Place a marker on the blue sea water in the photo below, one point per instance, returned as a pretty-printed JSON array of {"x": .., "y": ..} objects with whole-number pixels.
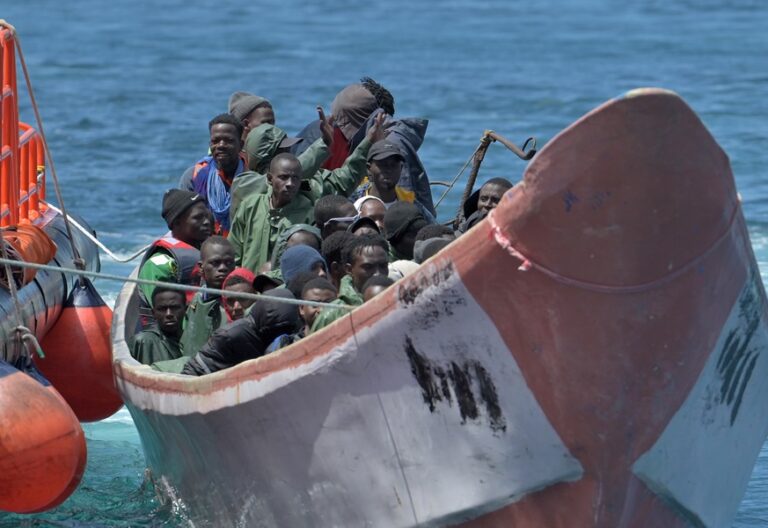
[{"x": 126, "y": 90}]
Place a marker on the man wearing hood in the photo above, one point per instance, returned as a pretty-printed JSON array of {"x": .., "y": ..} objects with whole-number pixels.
[
  {"x": 246, "y": 338},
  {"x": 353, "y": 112}
]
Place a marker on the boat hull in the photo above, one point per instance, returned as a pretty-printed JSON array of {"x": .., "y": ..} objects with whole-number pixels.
[
  {"x": 41, "y": 300},
  {"x": 592, "y": 354}
]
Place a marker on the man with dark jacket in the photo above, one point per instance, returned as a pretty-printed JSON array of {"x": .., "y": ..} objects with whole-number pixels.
[
  {"x": 160, "y": 341},
  {"x": 246, "y": 338},
  {"x": 175, "y": 257}
]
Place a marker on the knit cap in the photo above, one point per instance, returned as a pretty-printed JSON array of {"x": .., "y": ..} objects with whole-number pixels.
[
  {"x": 241, "y": 104},
  {"x": 176, "y": 202},
  {"x": 399, "y": 217},
  {"x": 297, "y": 259}
]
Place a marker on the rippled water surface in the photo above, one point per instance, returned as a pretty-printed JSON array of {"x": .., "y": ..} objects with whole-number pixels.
[{"x": 126, "y": 90}]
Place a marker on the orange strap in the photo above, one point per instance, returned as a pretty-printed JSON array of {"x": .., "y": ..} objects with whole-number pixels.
[{"x": 29, "y": 243}]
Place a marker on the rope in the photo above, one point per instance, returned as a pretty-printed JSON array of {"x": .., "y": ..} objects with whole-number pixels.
[
  {"x": 456, "y": 178},
  {"x": 23, "y": 334},
  {"x": 96, "y": 241},
  {"x": 77, "y": 260},
  {"x": 526, "y": 263},
  {"x": 172, "y": 285}
]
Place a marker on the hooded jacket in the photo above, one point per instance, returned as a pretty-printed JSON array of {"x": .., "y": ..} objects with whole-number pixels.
[
  {"x": 262, "y": 145},
  {"x": 282, "y": 241},
  {"x": 408, "y": 134},
  {"x": 247, "y": 338}
]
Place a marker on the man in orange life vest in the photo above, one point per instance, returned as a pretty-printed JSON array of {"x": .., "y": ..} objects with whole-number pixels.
[
  {"x": 175, "y": 256},
  {"x": 211, "y": 177}
]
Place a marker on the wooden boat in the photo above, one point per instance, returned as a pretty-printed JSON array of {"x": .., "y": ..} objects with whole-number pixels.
[{"x": 591, "y": 354}]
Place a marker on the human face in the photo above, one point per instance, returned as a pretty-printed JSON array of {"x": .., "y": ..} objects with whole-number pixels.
[
  {"x": 308, "y": 313},
  {"x": 385, "y": 173},
  {"x": 489, "y": 197},
  {"x": 285, "y": 180},
  {"x": 319, "y": 269},
  {"x": 169, "y": 312},
  {"x": 194, "y": 226},
  {"x": 374, "y": 210},
  {"x": 259, "y": 115},
  {"x": 236, "y": 307},
  {"x": 217, "y": 261},
  {"x": 225, "y": 146},
  {"x": 371, "y": 261}
]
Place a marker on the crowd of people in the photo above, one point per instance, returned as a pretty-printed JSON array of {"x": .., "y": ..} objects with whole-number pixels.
[{"x": 334, "y": 215}]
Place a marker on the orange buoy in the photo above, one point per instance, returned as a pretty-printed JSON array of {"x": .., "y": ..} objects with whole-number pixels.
[
  {"x": 42, "y": 446},
  {"x": 78, "y": 357}
]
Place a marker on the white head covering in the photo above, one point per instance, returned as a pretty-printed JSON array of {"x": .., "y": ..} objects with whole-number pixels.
[{"x": 360, "y": 201}]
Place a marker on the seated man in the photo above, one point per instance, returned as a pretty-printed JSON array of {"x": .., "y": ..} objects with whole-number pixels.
[
  {"x": 302, "y": 259},
  {"x": 240, "y": 280},
  {"x": 160, "y": 340},
  {"x": 296, "y": 235},
  {"x": 262, "y": 217},
  {"x": 204, "y": 313},
  {"x": 401, "y": 224},
  {"x": 371, "y": 207},
  {"x": 317, "y": 290},
  {"x": 483, "y": 201},
  {"x": 364, "y": 257},
  {"x": 333, "y": 213},
  {"x": 247, "y": 338},
  {"x": 331, "y": 250},
  {"x": 175, "y": 257},
  {"x": 212, "y": 176},
  {"x": 385, "y": 166}
]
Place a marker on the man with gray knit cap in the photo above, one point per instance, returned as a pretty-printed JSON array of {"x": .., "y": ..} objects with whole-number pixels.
[{"x": 251, "y": 110}]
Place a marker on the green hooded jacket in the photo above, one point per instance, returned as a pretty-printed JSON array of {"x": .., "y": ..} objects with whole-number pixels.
[
  {"x": 347, "y": 295},
  {"x": 282, "y": 241},
  {"x": 256, "y": 226},
  {"x": 261, "y": 146},
  {"x": 152, "y": 345},
  {"x": 200, "y": 321}
]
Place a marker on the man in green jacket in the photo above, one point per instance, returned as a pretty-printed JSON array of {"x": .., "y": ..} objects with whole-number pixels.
[
  {"x": 262, "y": 217},
  {"x": 205, "y": 313},
  {"x": 160, "y": 341},
  {"x": 266, "y": 141},
  {"x": 364, "y": 256}
]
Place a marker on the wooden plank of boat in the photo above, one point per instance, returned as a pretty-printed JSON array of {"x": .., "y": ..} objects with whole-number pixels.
[{"x": 592, "y": 354}]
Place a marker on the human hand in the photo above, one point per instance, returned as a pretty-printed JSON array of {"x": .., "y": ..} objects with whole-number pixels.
[
  {"x": 377, "y": 132},
  {"x": 326, "y": 129}
]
